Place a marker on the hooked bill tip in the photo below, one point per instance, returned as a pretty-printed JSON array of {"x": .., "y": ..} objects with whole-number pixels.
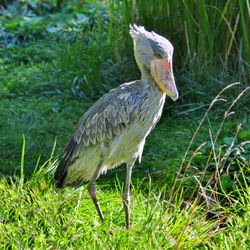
[{"x": 175, "y": 98}]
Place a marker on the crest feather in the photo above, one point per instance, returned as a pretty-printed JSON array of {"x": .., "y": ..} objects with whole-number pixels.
[{"x": 136, "y": 30}]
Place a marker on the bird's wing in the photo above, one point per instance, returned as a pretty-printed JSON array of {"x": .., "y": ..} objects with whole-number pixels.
[{"x": 107, "y": 118}]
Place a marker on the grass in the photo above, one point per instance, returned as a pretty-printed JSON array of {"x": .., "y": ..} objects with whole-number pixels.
[
  {"x": 195, "y": 28},
  {"x": 191, "y": 190},
  {"x": 34, "y": 214}
]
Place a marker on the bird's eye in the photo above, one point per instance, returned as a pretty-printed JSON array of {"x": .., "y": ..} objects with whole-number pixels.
[{"x": 158, "y": 55}]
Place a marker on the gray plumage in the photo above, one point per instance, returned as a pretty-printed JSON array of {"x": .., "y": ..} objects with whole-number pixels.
[{"x": 114, "y": 129}]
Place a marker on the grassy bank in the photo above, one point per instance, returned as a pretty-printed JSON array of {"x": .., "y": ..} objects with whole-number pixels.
[{"x": 35, "y": 215}]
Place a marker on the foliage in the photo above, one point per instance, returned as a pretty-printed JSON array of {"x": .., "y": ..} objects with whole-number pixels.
[
  {"x": 35, "y": 215},
  {"x": 195, "y": 26},
  {"x": 218, "y": 159},
  {"x": 211, "y": 38}
]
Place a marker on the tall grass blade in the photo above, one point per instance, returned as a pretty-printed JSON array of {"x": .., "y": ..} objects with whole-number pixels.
[
  {"x": 184, "y": 159},
  {"x": 206, "y": 34},
  {"x": 22, "y": 162}
]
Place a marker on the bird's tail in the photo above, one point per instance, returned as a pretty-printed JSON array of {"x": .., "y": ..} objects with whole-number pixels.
[{"x": 67, "y": 160}]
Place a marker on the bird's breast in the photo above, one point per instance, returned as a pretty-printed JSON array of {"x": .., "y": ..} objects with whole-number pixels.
[{"x": 129, "y": 145}]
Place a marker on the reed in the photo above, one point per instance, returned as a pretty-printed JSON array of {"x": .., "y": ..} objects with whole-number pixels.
[{"x": 210, "y": 34}]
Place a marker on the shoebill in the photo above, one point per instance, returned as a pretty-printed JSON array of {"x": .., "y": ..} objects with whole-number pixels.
[{"x": 113, "y": 131}]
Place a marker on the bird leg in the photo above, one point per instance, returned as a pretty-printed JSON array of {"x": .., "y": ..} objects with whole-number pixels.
[
  {"x": 126, "y": 194},
  {"x": 92, "y": 191}
]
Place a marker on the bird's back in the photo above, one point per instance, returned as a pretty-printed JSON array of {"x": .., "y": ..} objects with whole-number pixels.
[{"x": 113, "y": 129}]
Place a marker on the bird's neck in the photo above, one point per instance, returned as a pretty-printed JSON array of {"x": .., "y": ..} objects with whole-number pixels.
[{"x": 148, "y": 80}]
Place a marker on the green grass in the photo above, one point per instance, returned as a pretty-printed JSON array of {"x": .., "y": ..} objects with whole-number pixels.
[
  {"x": 196, "y": 26},
  {"x": 36, "y": 215},
  {"x": 210, "y": 38},
  {"x": 191, "y": 190}
]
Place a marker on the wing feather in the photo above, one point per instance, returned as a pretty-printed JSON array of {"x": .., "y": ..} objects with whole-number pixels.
[{"x": 108, "y": 117}]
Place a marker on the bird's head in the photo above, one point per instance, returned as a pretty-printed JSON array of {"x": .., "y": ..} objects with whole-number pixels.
[{"x": 153, "y": 54}]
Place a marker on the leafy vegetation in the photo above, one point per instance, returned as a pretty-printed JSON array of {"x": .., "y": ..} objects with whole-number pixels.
[{"x": 191, "y": 190}]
